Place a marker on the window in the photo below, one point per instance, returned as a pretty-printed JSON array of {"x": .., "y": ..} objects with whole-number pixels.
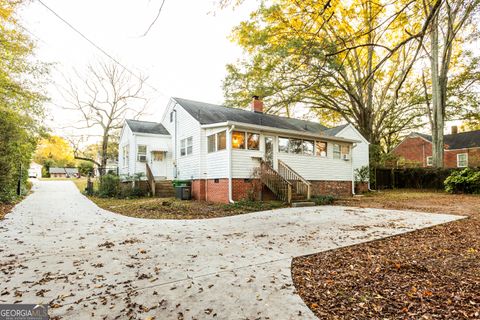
[
  {"x": 211, "y": 142},
  {"x": 253, "y": 141},
  {"x": 142, "y": 153},
  {"x": 189, "y": 145},
  {"x": 186, "y": 146},
  {"x": 321, "y": 148},
  {"x": 345, "y": 152},
  {"x": 221, "y": 140},
  {"x": 171, "y": 116},
  {"x": 283, "y": 144},
  {"x": 295, "y": 146},
  {"x": 157, "y": 155},
  {"x": 125, "y": 155},
  {"x": 336, "y": 151},
  {"x": 308, "y": 147},
  {"x": 462, "y": 160},
  {"x": 217, "y": 141},
  {"x": 429, "y": 161},
  {"x": 238, "y": 140}
]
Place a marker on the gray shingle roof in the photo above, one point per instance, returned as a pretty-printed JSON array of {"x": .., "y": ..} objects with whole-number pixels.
[
  {"x": 207, "y": 113},
  {"x": 470, "y": 139},
  {"x": 147, "y": 127},
  {"x": 333, "y": 131},
  {"x": 63, "y": 170}
]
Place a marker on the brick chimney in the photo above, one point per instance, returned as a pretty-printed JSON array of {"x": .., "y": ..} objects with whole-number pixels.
[
  {"x": 454, "y": 129},
  {"x": 257, "y": 104}
]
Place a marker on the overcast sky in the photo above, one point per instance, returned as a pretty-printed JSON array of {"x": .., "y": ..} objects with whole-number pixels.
[{"x": 183, "y": 55}]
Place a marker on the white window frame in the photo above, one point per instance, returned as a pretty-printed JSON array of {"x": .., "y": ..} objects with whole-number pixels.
[
  {"x": 186, "y": 147},
  {"x": 339, "y": 151},
  {"x": 458, "y": 160},
  {"x": 141, "y": 154},
  {"x": 429, "y": 161}
]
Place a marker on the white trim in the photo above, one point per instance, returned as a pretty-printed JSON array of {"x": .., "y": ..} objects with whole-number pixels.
[
  {"x": 461, "y": 154},
  {"x": 265, "y": 129}
]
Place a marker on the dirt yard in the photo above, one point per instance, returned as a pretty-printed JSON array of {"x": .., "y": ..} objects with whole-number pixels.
[
  {"x": 432, "y": 273},
  {"x": 169, "y": 208}
]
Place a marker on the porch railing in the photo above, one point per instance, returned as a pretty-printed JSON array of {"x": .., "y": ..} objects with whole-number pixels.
[
  {"x": 300, "y": 185},
  {"x": 281, "y": 187},
  {"x": 150, "y": 178}
]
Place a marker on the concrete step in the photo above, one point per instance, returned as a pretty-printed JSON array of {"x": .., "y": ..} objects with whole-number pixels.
[{"x": 303, "y": 204}]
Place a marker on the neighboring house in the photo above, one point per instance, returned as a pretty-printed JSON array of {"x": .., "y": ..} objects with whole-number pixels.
[
  {"x": 461, "y": 150},
  {"x": 63, "y": 172},
  {"x": 35, "y": 170},
  {"x": 221, "y": 149}
]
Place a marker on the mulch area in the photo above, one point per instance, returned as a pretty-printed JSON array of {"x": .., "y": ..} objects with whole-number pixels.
[
  {"x": 432, "y": 273},
  {"x": 168, "y": 208}
]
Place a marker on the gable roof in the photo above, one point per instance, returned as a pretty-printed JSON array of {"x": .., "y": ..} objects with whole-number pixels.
[
  {"x": 470, "y": 139},
  {"x": 146, "y": 127},
  {"x": 207, "y": 113}
]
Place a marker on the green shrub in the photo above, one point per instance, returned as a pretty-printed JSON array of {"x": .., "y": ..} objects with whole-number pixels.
[
  {"x": 464, "y": 181},
  {"x": 109, "y": 186},
  {"x": 323, "y": 199}
]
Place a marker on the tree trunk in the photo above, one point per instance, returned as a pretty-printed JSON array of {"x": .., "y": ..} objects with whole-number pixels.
[
  {"x": 437, "y": 105},
  {"x": 104, "y": 155}
]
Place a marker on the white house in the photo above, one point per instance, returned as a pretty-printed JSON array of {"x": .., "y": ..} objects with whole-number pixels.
[{"x": 226, "y": 152}]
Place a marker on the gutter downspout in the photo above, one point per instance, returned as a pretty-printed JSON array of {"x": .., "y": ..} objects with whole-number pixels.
[
  {"x": 353, "y": 171},
  {"x": 175, "y": 140},
  {"x": 229, "y": 149}
]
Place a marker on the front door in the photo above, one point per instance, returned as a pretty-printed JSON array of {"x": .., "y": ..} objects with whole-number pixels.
[
  {"x": 269, "y": 150},
  {"x": 159, "y": 164}
]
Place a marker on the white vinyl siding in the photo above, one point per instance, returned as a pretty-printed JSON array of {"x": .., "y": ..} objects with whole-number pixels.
[{"x": 359, "y": 154}]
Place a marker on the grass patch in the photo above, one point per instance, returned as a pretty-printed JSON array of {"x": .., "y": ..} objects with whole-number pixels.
[{"x": 170, "y": 208}]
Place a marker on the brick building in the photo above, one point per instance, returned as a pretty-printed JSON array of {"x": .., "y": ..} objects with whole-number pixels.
[{"x": 461, "y": 150}]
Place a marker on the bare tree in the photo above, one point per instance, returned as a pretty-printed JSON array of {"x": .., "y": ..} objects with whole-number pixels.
[
  {"x": 444, "y": 34},
  {"x": 105, "y": 97}
]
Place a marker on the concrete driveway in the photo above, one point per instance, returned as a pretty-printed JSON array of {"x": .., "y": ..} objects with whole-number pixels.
[{"x": 58, "y": 247}]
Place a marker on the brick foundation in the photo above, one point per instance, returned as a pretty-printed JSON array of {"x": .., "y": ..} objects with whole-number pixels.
[
  {"x": 337, "y": 188},
  {"x": 216, "y": 190},
  {"x": 361, "y": 187}
]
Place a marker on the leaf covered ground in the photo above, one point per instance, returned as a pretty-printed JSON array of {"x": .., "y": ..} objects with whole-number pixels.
[
  {"x": 4, "y": 209},
  {"x": 432, "y": 273},
  {"x": 169, "y": 208}
]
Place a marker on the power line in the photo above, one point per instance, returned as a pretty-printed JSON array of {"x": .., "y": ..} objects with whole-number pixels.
[
  {"x": 97, "y": 46},
  {"x": 156, "y": 18}
]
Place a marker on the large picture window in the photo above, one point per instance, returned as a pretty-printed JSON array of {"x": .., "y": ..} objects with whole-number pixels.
[
  {"x": 217, "y": 141},
  {"x": 238, "y": 140},
  {"x": 295, "y": 146},
  {"x": 308, "y": 147},
  {"x": 283, "y": 144},
  {"x": 253, "y": 141},
  {"x": 186, "y": 146},
  {"x": 142, "y": 153},
  {"x": 211, "y": 142},
  {"x": 321, "y": 148}
]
